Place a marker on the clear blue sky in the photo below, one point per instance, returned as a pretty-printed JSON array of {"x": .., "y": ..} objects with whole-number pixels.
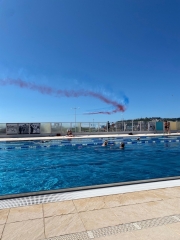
[{"x": 117, "y": 47}]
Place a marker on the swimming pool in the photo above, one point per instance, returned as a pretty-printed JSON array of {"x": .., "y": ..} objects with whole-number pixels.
[{"x": 32, "y": 166}]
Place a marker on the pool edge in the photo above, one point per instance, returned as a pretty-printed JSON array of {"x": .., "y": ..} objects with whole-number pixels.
[{"x": 94, "y": 187}]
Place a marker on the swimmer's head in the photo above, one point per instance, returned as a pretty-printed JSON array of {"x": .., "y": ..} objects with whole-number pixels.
[
  {"x": 122, "y": 145},
  {"x": 105, "y": 143}
]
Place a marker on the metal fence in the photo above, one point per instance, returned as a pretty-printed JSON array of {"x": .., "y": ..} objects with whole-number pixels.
[{"x": 55, "y": 128}]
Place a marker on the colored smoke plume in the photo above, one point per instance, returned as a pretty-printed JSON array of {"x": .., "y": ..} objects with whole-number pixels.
[{"x": 67, "y": 93}]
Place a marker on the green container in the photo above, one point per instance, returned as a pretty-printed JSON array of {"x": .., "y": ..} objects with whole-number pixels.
[{"x": 159, "y": 126}]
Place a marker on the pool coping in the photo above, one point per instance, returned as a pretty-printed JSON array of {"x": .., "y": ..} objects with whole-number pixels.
[
  {"x": 86, "y": 188},
  {"x": 86, "y": 136},
  {"x": 89, "y": 193}
]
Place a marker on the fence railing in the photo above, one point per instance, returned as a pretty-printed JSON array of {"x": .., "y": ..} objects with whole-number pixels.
[{"x": 54, "y": 128}]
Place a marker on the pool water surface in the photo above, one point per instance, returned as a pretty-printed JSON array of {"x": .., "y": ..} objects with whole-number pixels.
[{"x": 34, "y": 169}]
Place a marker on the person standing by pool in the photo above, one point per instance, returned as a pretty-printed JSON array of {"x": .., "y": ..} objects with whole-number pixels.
[
  {"x": 108, "y": 126},
  {"x": 113, "y": 126},
  {"x": 166, "y": 126}
]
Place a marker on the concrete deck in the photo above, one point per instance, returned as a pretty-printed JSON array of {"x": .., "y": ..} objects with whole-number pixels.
[
  {"x": 86, "y": 136},
  {"x": 140, "y": 215}
]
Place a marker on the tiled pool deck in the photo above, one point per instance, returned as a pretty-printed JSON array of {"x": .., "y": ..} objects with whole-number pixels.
[
  {"x": 142, "y": 211},
  {"x": 152, "y": 214}
]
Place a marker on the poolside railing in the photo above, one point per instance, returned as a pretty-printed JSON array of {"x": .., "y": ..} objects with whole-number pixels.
[{"x": 60, "y": 128}]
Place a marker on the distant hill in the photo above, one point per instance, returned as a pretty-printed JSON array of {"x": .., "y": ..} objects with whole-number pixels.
[
  {"x": 153, "y": 119},
  {"x": 157, "y": 119}
]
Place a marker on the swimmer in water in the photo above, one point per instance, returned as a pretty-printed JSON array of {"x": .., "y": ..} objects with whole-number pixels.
[
  {"x": 105, "y": 143},
  {"x": 122, "y": 145}
]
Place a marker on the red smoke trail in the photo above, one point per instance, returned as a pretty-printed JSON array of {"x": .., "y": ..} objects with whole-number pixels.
[
  {"x": 50, "y": 91},
  {"x": 103, "y": 112}
]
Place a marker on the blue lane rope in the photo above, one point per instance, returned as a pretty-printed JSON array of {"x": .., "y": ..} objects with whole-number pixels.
[{"x": 91, "y": 142}]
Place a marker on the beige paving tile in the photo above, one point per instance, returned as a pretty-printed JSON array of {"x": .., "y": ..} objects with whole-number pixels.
[
  {"x": 161, "y": 193},
  {"x": 64, "y": 224},
  {"x": 3, "y": 215},
  {"x": 165, "y": 193},
  {"x": 174, "y": 204},
  {"x": 138, "y": 197},
  {"x": 156, "y": 233},
  {"x": 25, "y": 230},
  {"x": 113, "y": 200},
  {"x": 58, "y": 208},
  {"x": 177, "y": 188},
  {"x": 1, "y": 230},
  {"x": 175, "y": 227},
  {"x": 130, "y": 213},
  {"x": 151, "y": 196},
  {"x": 158, "y": 209},
  {"x": 121, "y": 236},
  {"x": 173, "y": 191},
  {"x": 25, "y": 213},
  {"x": 87, "y": 204},
  {"x": 130, "y": 198},
  {"x": 99, "y": 218}
]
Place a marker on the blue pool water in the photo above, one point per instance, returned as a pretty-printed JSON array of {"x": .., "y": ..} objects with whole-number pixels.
[{"x": 30, "y": 166}]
